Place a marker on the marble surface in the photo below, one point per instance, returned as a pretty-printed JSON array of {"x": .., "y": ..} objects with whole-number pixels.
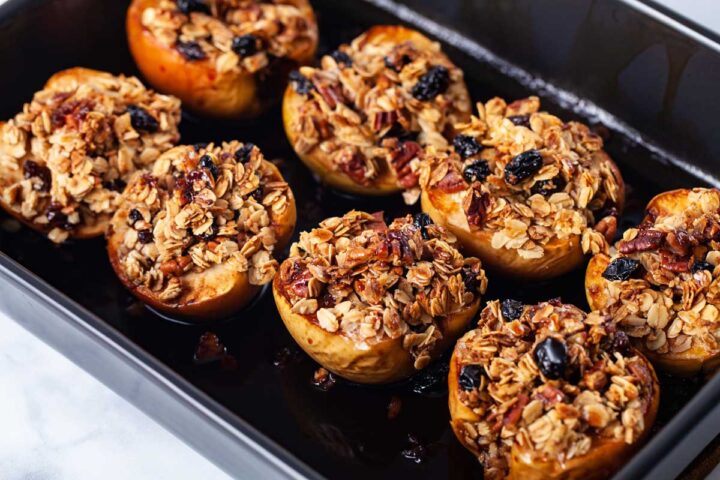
[{"x": 60, "y": 423}]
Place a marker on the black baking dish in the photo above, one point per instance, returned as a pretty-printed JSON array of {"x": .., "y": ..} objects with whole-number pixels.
[{"x": 646, "y": 80}]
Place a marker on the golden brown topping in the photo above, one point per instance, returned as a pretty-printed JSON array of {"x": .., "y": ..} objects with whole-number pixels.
[
  {"x": 369, "y": 281},
  {"x": 233, "y": 34},
  {"x": 199, "y": 208},
  {"x": 528, "y": 182},
  {"x": 373, "y": 104},
  {"x": 66, "y": 157},
  {"x": 552, "y": 382}
]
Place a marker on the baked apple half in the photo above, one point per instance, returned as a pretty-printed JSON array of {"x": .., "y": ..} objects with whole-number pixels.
[
  {"x": 195, "y": 237},
  {"x": 372, "y": 302},
  {"x": 547, "y": 392},
  {"x": 661, "y": 281},
  {"x": 222, "y": 58},
  {"x": 523, "y": 190},
  {"x": 67, "y": 156},
  {"x": 360, "y": 120}
]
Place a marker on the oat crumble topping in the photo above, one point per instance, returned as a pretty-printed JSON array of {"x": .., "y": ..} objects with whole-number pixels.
[
  {"x": 234, "y": 35},
  {"x": 66, "y": 157},
  {"x": 552, "y": 382},
  {"x": 528, "y": 178},
  {"x": 370, "y": 282},
  {"x": 668, "y": 295},
  {"x": 201, "y": 207},
  {"x": 374, "y": 103}
]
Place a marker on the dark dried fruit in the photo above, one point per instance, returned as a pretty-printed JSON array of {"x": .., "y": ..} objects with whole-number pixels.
[
  {"x": 470, "y": 376},
  {"x": 621, "y": 269},
  {"x": 432, "y": 380},
  {"x": 646, "y": 239},
  {"x": 140, "y": 119},
  {"x": 396, "y": 62},
  {"x": 476, "y": 206},
  {"x": 245, "y": 45},
  {"x": 397, "y": 131},
  {"x": 551, "y": 357},
  {"x": 466, "y": 146},
  {"x": 620, "y": 343},
  {"x": 421, "y": 221},
  {"x": 303, "y": 85},
  {"x": 523, "y": 166},
  {"x": 189, "y": 6},
  {"x": 257, "y": 194},
  {"x": 476, "y": 171},
  {"x": 341, "y": 58},
  {"x": 199, "y": 146},
  {"x": 190, "y": 50},
  {"x": 242, "y": 155},
  {"x": 135, "y": 215},
  {"x": 206, "y": 162},
  {"x": 145, "y": 236},
  {"x": 470, "y": 280},
  {"x": 56, "y": 217},
  {"x": 116, "y": 185},
  {"x": 702, "y": 265},
  {"x": 433, "y": 82},
  {"x": 33, "y": 169},
  {"x": 520, "y": 120},
  {"x": 548, "y": 187},
  {"x": 511, "y": 309}
]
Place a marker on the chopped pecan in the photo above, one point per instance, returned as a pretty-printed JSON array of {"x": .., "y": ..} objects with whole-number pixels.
[
  {"x": 513, "y": 415},
  {"x": 475, "y": 205},
  {"x": 401, "y": 158},
  {"x": 452, "y": 182},
  {"x": 607, "y": 227},
  {"x": 646, "y": 239}
]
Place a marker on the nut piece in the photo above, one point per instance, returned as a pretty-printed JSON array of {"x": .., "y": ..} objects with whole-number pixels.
[{"x": 195, "y": 237}]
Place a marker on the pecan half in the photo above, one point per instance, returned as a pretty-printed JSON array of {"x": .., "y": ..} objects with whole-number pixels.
[{"x": 646, "y": 239}]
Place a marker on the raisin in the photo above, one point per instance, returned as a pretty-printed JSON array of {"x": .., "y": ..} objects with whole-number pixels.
[
  {"x": 470, "y": 376},
  {"x": 548, "y": 187},
  {"x": 551, "y": 357},
  {"x": 199, "y": 146},
  {"x": 702, "y": 265},
  {"x": 511, "y": 309},
  {"x": 396, "y": 64},
  {"x": 242, "y": 155},
  {"x": 433, "y": 82},
  {"x": 341, "y": 58},
  {"x": 432, "y": 380},
  {"x": 140, "y": 119},
  {"x": 466, "y": 146},
  {"x": 56, "y": 217},
  {"x": 135, "y": 215},
  {"x": 257, "y": 194},
  {"x": 206, "y": 161},
  {"x": 520, "y": 120},
  {"x": 620, "y": 343},
  {"x": 421, "y": 221},
  {"x": 189, "y": 6},
  {"x": 145, "y": 236},
  {"x": 116, "y": 185},
  {"x": 303, "y": 85},
  {"x": 523, "y": 166},
  {"x": 33, "y": 169},
  {"x": 621, "y": 269},
  {"x": 476, "y": 171},
  {"x": 470, "y": 280},
  {"x": 190, "y": 50},
  {"x": 245, "y": 45}
]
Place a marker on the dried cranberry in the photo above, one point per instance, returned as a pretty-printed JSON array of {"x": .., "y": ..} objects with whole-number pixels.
[
  {"x": 511, "y": 309},
  {"x": 135, "y": 215},
  {"x": 477, "y": 171},
  {"x": 188, "y": 6},
  {"x": 341, "y": 58},
  {"x": 621, "y": 269},
  {"x": 116, "y": 185},
  {"x": 421, "y": 221},
  {"x": 140, "y": 119},
  {"x": 702, "y": 265},
  {"x": 190, "y": 50},
  {"x": 245, "y": 45},
  {"x": 145, "y": 236},
  {"x": 242, "y": 155},
  {"x": 206, "y": 162},
  {"x": 548, "y": 187},
  {"x": 303, "y": 85},
  {"x": 470, "y": 376},
  {"x": 523, "y": 166},
  {"x": 433, "y": 82},
  {"x": 466, "y": 146},
  {"x": 551, "y": 357},
  {"x": 33, "y": 169},
  {"x": 520, "y": 120}
]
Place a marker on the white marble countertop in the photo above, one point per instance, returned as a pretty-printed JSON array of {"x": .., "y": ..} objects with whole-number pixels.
[{"x": 60, "y": 423}]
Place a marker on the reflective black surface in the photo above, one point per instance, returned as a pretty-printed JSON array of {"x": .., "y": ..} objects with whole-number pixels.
[{"x": 344, "y": 432}]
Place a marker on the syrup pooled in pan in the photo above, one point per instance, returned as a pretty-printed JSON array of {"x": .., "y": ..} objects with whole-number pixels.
[{"x": 347, "y": 431}]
